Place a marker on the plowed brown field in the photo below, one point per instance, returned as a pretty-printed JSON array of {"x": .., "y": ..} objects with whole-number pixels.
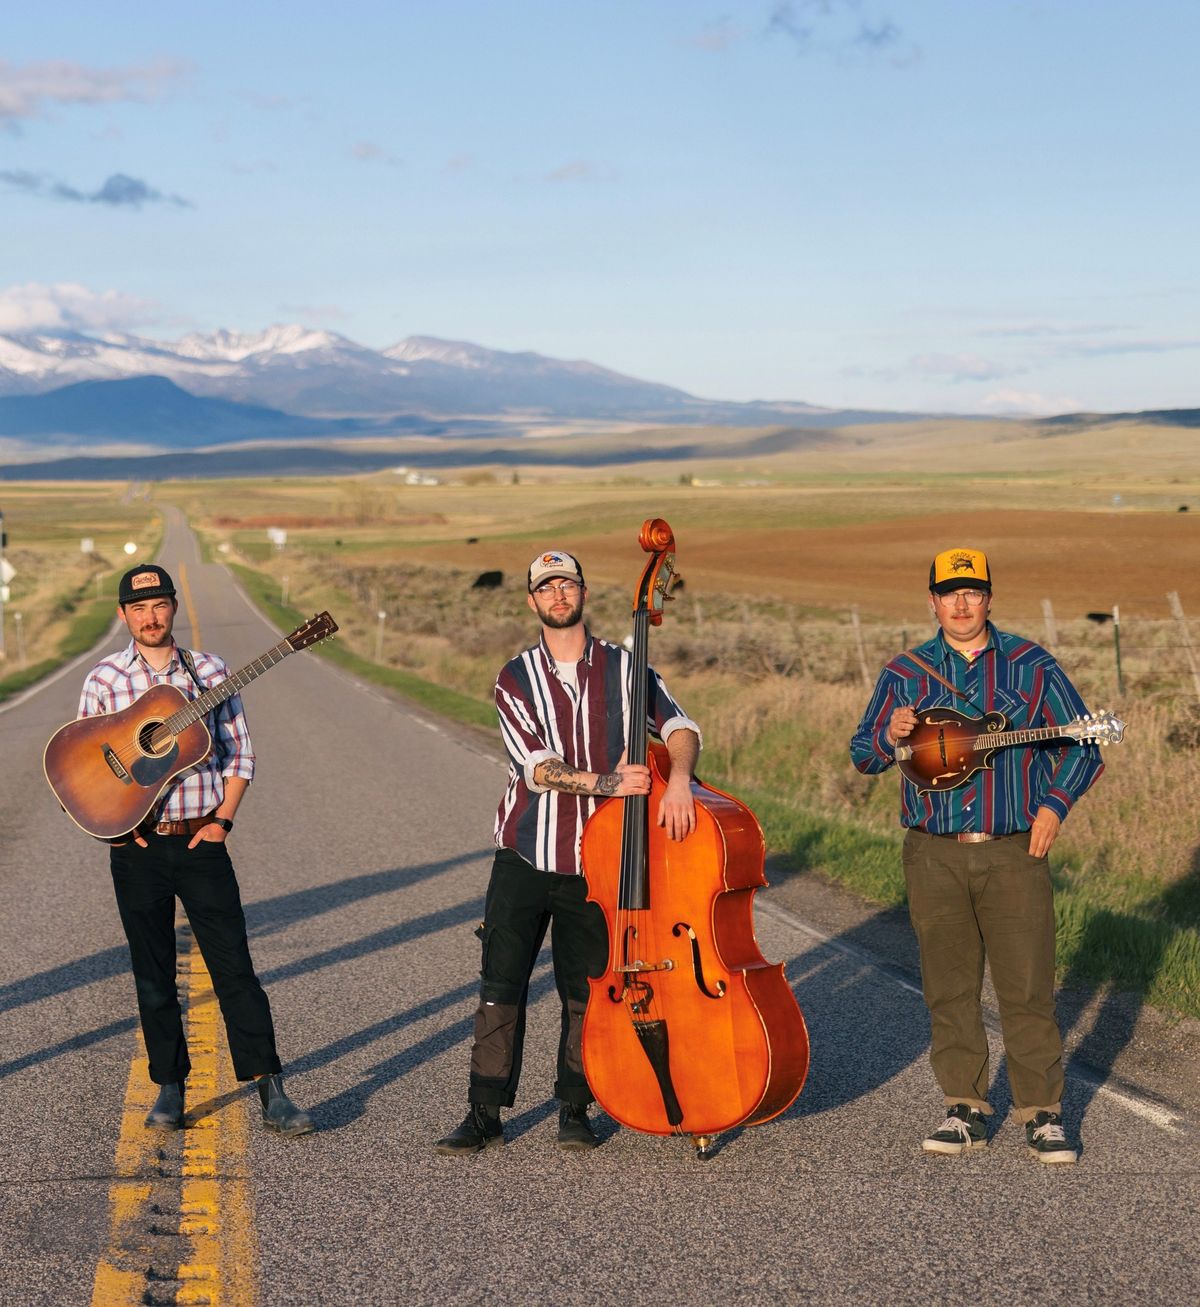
[{"x": 1081, "y": 561}]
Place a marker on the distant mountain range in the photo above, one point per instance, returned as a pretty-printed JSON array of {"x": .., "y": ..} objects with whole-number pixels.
[{"x": 321, "y": 375}]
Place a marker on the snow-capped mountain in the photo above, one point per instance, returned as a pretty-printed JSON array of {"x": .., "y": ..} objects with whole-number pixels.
[{"x": 320, "y": 373}]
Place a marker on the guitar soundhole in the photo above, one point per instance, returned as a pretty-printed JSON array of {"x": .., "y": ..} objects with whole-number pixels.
[{"x": 154, "y": 740}]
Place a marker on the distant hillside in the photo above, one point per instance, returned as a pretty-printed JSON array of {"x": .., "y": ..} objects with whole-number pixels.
[
  {"x": 1172, "y": 417},
  {"x": 320, "y": 373},
  {"x": 153, "y": 410}
]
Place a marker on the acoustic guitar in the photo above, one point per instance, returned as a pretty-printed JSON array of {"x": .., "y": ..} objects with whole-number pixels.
[
  {"x": 947, "y": 748},
  {"x": 108, "y": 772}
]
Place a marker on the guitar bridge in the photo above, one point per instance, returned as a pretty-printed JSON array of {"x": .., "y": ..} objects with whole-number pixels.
[{"x": 115, "y": 764}]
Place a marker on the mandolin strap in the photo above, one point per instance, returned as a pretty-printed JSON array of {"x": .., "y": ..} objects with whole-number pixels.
[{"x": 937, "y": 676}]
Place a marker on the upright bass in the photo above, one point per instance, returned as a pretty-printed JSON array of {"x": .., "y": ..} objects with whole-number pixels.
[{"x": 689, "y": 1030}]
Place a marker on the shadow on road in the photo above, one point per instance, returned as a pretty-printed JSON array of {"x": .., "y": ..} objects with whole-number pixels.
[{"x": 263, "y": 918}]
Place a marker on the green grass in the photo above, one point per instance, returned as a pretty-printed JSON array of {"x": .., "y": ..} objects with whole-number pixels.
[{"x": 92, "y": 618}]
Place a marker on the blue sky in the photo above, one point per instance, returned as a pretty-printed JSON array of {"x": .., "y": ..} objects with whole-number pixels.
[{"x": 964, "y": 205}]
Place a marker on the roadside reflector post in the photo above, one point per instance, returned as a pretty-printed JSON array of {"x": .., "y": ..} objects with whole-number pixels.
[
  {"x": 858, "y": 640},
  {"x": 1117, "y": 649},
  {"x": 1185, "y": 637}
]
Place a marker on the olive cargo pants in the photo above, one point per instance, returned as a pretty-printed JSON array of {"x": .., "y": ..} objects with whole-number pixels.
[{"x": 993, "y": 900}]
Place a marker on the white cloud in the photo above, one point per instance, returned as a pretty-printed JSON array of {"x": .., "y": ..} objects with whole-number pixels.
[
  {"x": 369, "y": 152},
  {"x": 1027, "y": 403},
  {"x": 960, "y": 367},
  {"x": 69, "y": 306},
  {"x": 576, "y": 170},
  {"x": 27, "y": 90}
]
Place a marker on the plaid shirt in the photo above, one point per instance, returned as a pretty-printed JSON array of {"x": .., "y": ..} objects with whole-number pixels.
[
  {"x": 1013, "y": 676},
  {"x": 120, "y": 679},
  {"x": 541, "y": 717}
]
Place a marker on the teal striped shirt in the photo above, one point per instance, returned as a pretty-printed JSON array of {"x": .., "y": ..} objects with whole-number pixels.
[{"x": 1013, "y": 676}]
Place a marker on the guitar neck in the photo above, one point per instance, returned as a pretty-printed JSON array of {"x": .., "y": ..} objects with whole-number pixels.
[
  {"x": 1001, "y": 739},
  {"x": 212, "y": 698}
]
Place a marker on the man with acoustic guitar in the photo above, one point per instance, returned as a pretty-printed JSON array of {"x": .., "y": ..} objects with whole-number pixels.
[
  {"x": 563, "y": 706},
  {"x": 975, "y": 849},
  {"x": 179, "y": 850}
]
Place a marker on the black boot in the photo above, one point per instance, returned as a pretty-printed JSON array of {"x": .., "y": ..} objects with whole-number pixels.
[
  {"x": 574, "y": 1128},
  {"x": 279, "y": 1112},
  {"x": 167, "y": 1112},
  {"x": 480, "y": 1129}
]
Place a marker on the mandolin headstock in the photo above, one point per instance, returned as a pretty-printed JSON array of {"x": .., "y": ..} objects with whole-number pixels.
[
  {"x": 1100, "y": 727},
  {"x": 658, "y": 576}
]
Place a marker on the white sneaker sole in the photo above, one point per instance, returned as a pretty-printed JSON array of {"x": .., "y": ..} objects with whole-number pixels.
[
  {"x": 938, "y": 1146},
  {"x": 1067, "y": 1157}
]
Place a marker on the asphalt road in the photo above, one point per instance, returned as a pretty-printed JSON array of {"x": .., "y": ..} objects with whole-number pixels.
[{"x": 362, "y": 851}]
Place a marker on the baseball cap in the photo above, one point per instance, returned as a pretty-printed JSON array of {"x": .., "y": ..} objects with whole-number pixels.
[
  {"x": 146, "y": 582},
  {"x": 551, "y": 563},
  {"x": 960, "y": 569}
]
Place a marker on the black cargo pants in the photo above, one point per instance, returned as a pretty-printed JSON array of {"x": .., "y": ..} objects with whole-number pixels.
[{"x": 521, "y": 903}]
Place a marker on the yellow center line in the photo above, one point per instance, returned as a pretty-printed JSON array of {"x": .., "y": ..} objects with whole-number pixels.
[{"x": 189, "y": 606}]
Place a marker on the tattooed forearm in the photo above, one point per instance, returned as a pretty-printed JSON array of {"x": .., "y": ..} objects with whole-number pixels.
[{"x": 559, "y": 775}]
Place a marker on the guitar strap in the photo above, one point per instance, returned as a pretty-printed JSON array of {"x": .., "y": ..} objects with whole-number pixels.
[
  {"x": 937, "y": 676},
  {"x": 185, "y": 657}
]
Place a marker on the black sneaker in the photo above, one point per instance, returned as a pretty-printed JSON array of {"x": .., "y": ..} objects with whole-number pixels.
[
  {"x": 574, "y": 1128},
  {"x": 964, "y": 1128},
  {"x": 1046, "y": 1140},
  {"x": 480, "y": 1129}
]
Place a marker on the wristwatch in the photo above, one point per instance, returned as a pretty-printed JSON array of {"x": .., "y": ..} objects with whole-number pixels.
[{"x": 225, "y": 824}]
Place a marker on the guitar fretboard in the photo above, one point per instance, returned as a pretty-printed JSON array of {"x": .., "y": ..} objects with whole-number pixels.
[{"x": 212, "y": 698}]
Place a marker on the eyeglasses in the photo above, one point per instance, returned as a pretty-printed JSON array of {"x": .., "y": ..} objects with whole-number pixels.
[
  {"x": 568, "y": 589},
  {"x": 973, "y": 597}
]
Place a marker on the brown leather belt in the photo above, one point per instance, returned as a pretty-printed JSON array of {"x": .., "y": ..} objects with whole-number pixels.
[
  {"x": 970, "y": 836},
  {"x": 188, "y": 826}
]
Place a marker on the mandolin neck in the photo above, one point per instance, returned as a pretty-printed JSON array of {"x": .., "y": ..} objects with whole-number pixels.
[{"x": 1002, "y": 739}]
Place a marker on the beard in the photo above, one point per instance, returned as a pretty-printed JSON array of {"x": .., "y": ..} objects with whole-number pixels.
[{"x": 561, "y": 621}]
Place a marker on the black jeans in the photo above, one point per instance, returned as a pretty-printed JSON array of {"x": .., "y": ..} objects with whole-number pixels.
[
  {"x": 521, "y": 903},
  {"x": 147, "y": 882}
]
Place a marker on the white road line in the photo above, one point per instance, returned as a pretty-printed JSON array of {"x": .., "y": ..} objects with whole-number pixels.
[{"x": 1155, "y": 1113}]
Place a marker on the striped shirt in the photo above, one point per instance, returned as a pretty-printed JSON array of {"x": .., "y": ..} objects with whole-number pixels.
[
  {"x": 1013, "y": 676},
  {"x": 543, "y": 716},
  {"x": 120, "y": 679}
]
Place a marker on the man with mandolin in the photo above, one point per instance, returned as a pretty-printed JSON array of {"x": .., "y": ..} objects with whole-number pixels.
[
  {"x": 976, "y": 844},
  {"x": 563, "y": 706},
  {"x": 179, "y": 851}
]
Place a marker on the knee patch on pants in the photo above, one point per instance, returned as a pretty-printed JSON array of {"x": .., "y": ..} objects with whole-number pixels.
[{"x": 495, "y": 1031}]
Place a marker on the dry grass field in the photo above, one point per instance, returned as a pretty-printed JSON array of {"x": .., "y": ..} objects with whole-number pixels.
[{"x": 775, "y": 553}]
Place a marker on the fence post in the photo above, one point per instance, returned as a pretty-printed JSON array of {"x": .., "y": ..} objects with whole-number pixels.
[
  {"x": 382, "y": 617},
  {"x": 1051, "y": 628},
  {"x": 1117, "y": 647},
  {"x": 858, "y": 639},
  {"x": 1185, "y": 636}
]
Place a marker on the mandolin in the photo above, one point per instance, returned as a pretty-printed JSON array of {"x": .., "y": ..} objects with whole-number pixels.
[
  {"x": 947, "y": 748},
  {"x": 108, "y": 772}
]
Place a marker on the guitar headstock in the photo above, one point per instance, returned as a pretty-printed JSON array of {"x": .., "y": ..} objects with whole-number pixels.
[
  {"x": 658, "y": 576},
  {"x": 1096, "y": 728},
  {"x": 317, "y": 628}
]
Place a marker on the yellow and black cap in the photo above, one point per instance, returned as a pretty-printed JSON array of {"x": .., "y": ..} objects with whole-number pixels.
[
  {"x": 146, "y": 582},
  {"x": 960, "y": 569}
]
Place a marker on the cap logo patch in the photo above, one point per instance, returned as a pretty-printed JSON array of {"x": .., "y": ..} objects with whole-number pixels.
[
  {"x": 553, "y": 560},
  {"x": 144, "y": 580},
  {"x": 962, "y": 563}
]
